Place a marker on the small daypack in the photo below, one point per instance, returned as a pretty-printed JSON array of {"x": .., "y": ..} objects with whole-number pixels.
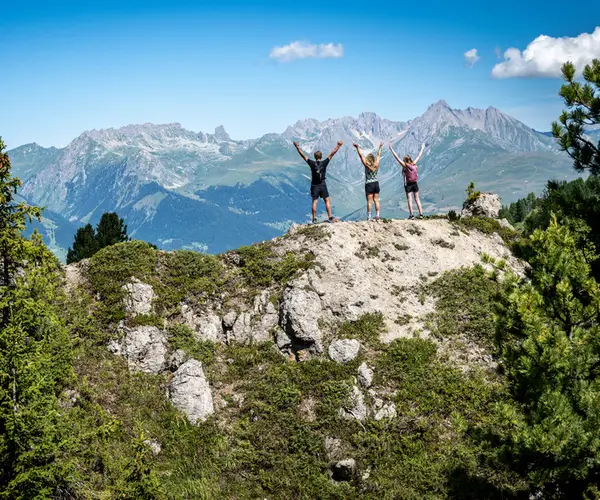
[{"x": 411, "y": 172}]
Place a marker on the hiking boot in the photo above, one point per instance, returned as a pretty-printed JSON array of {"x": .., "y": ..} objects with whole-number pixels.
[
  {"x": 314, "y": 221},
  {"x": 421, "y": 216},
  {"x": 411, "y": 217}
]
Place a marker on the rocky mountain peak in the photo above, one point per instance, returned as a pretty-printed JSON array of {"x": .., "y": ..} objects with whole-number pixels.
[{"x": 221, "y": 135}]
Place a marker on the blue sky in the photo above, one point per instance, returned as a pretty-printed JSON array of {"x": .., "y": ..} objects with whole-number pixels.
[{"x": 75, "y": 66}]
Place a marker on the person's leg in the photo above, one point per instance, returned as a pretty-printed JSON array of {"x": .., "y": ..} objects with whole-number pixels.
[
  {"x": 376, "y": 200},
  {"x": 328, "y": 207},
  {"x": 409, "y": 203},
  {"x": 418, "y": 203},
  {"x": 369, "y": 205},
  {"x": 314, "y": 209}
]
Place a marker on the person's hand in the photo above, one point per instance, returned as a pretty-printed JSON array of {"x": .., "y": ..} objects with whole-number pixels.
[
  {"x": 355, "y": 145},
  {"x": 380, "y": 145},
  {"x": 296, "y": 143},
  {"x": 340, "y": 143}
]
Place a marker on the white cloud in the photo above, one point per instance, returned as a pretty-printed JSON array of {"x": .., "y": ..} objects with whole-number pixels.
[
  {"x": 304, "y": 50},
  {"x": 471, "y": 57},
  {"x": 545, "y": 56}
]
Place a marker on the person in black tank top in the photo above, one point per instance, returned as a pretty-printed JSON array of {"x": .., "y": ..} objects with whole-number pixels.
[
  {"x": 371, "y": 164},
  {"x": 318, "y": 186}
]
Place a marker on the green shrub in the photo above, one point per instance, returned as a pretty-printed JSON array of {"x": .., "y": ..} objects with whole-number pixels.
[
  {"x": 367, "y": 329},
  {"x": 488, "y": 225},
  {"x": 262, "y": 267},
  {"x": 466, "y": 298}
]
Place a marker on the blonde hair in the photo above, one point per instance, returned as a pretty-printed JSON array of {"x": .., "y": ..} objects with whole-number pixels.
[
  {"x": 318, "y": 155},
  {"x": 370, "y": 160},
  {"x": 408, "y": 159}
]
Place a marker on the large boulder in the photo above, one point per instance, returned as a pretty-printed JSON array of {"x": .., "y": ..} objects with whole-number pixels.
[
  {"x": 300, "y": 313},
  {"x": 344, "y": 350},
  {"x": 138, "y": 298},
  {"x": 190, "y": 392},
  {"x": 485, "y": 205},
  {"x": 144, "y": 347}
]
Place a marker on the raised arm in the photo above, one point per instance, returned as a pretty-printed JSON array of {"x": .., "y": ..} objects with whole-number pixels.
[
  {"x": 335, "y": 150},
  {"x": 420, "y": 153},
  {"x": 396, "y": 156},
  {"x": 304, "y": 157},
  {"x": 360, "y": 154},
  {"x": 379, "y": 154}
]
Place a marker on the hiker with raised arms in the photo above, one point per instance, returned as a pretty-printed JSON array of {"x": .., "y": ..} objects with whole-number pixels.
[
  {"x": 318, "y": 186},
  {"x": 410, "y": 171},
  {"x": 371, "y": 164}
]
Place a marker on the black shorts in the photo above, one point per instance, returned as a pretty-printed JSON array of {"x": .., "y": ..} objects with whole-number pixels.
[
  {"x": 319, "y": 191},
  {"x": 372, "y": 188},
  {"x": 411, "y": 187}
]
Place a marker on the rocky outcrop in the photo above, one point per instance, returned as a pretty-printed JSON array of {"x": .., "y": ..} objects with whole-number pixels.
[
  {"x": 300, "y": 312},
  {"x": 190, "y": 392},
  {"x": 144, "y": 347},
  {"x": 485, "y": 205},
  {"x": 138, "y": 298},
  {"x": 344, "y": 350},
  {"x": 207, "y": 325}
]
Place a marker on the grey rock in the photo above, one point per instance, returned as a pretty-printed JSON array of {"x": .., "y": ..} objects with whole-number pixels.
[
  {"x": 229, "y": 319},
  {"x": 365, "y": 375},
  {"x": 334, "y": 449},
  {"x": 388, "y": 410},
  {"x": 356, "y": 407},
  {"x": 190, "y": 392},
  {"x": 138, "y": 298},
  {"x": 154, "y": 446},
  {"x": 144, "y": 348},
  {"x": 486, "y": 205},
  {"x": 177, "y": 358},
  {"x": 344, "y": 470},
  {"x": 68, "y": 399},
  {"x": 300, "y": 312},
  {"x": 283, "y": 341},
  {"x": 344, "y": 350},
  {"x": 241, "y": 330},
  {"x": 207, "y": 325}
]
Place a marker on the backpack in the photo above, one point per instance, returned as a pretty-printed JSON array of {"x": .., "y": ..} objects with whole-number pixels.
[
  {"x": 319, "y": 169},
  {"x": 411, "y": 172}
]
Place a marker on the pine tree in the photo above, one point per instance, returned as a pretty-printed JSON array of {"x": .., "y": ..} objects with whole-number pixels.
[
  {"x": 549, "y": 332},
  {"x": 84, "y": 246},
  {"x": 583, "y": 103},
  {"x": 110, "y": 230},
  {"x": 34, "y": 355}
]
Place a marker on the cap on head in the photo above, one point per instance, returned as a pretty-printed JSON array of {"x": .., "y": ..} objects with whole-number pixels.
[{"x": 318, "y": 155}]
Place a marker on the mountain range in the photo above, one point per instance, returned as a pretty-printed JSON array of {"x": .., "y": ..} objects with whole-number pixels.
[{"x": 182, "y": 189}]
